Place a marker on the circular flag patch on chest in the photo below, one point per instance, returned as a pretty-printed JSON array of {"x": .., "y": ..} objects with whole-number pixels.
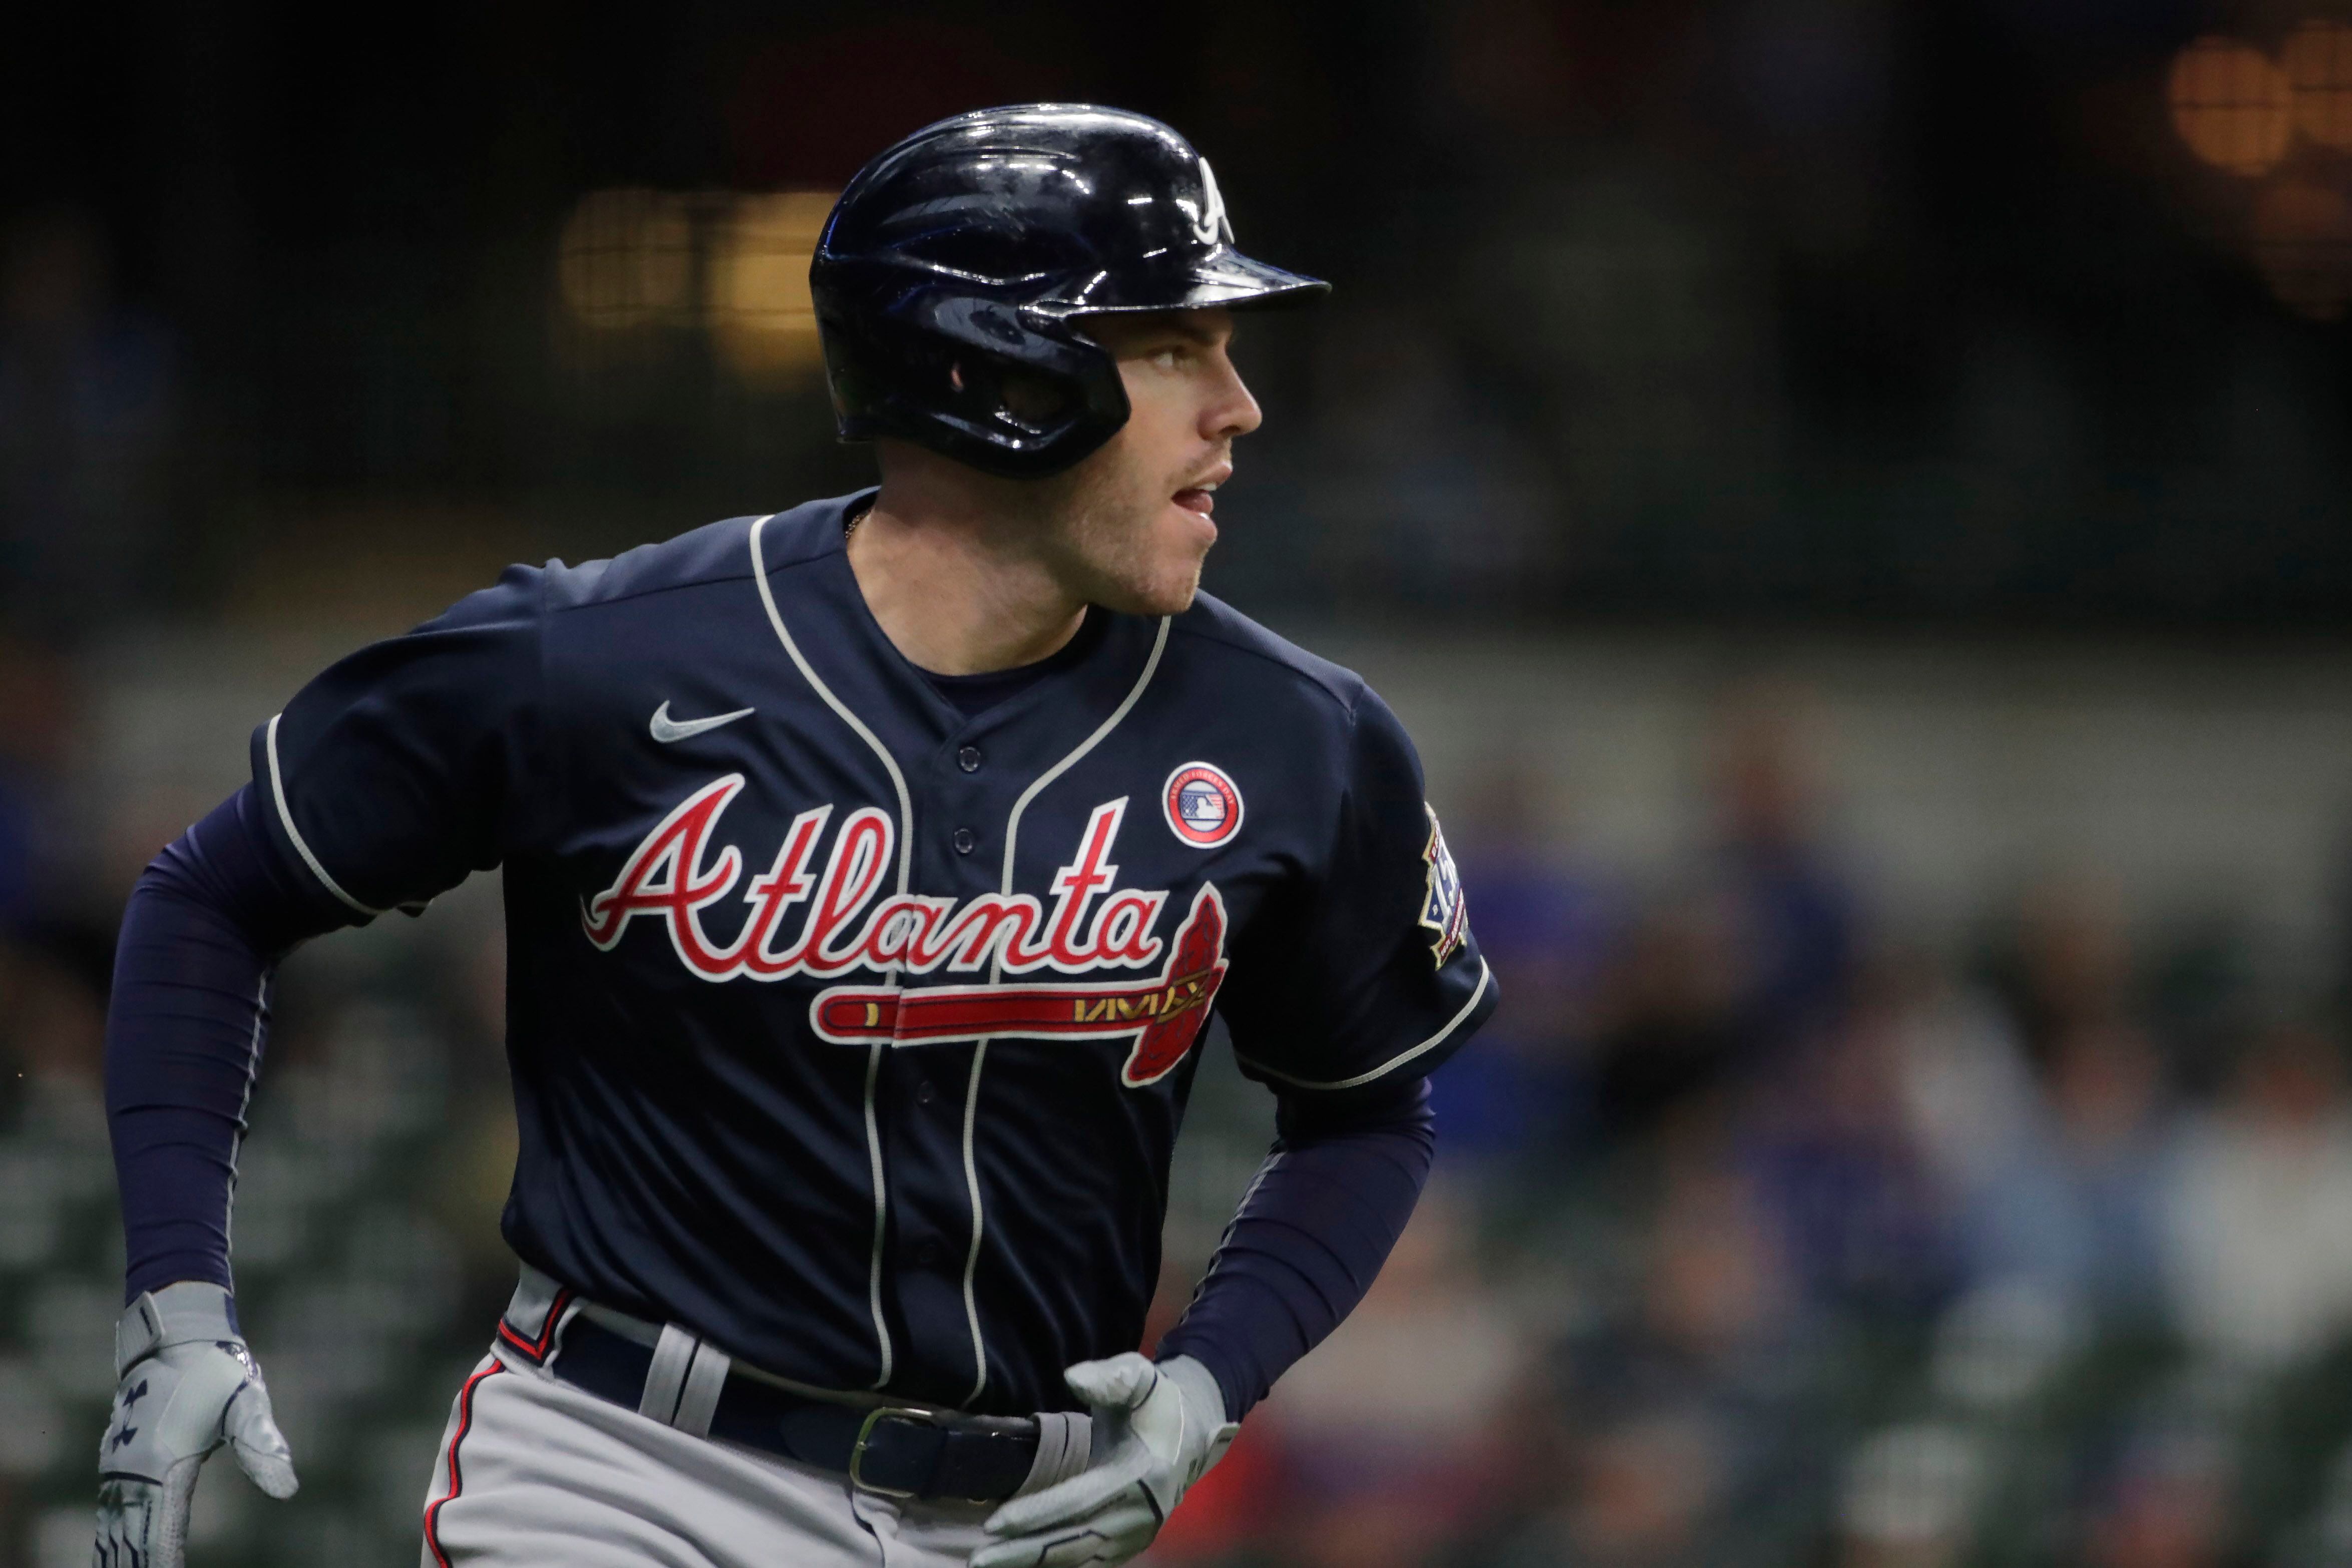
[{"x": 1204, "y": 807}]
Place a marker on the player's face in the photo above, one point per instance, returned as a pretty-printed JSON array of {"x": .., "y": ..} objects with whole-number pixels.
[{"x": 1136, "y": 524}]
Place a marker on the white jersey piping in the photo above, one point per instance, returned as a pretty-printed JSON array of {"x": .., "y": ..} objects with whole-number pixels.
[
  {"x": 286, "y": 816},
  {"x": 898, "y": 779},
  {"x": 1484, "y": 976},
  {"x": 245, "y": 1103},
  {"x": 996, "y": 974},
  {"x": 971, "y": 1258},
  {"x": 906, "y": 861}
]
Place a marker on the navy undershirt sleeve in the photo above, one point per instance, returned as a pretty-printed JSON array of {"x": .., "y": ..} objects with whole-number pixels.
[
  {"x": 201, "y": 934},
  {"x": 1316, "y": 1226}
]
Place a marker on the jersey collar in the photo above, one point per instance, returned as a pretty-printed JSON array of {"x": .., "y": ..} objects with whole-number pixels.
[{"x": 817, "y": 595}]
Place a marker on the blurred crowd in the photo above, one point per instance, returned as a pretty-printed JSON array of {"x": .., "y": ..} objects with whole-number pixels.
[{"x": 1762, "y": 1235}]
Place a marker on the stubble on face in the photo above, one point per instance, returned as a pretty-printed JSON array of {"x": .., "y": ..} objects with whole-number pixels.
[{"x": 1109, "y": 533}]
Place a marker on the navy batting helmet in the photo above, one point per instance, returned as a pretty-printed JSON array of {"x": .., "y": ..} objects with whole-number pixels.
[{"x": 949, "y": 275}]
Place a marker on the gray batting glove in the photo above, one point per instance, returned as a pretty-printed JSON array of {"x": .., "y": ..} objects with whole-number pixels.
[
  {"x": 188, "y": 1385},
  {"x": 1156, "y": 1430}
]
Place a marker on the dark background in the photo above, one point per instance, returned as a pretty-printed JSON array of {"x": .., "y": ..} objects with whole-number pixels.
[{"x": 1789, "y": 309}]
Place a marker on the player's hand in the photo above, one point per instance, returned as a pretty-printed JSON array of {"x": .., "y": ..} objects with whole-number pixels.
[
  {"x": 1156, "y": 1430},
  {"x": 188, "y": 1385}
]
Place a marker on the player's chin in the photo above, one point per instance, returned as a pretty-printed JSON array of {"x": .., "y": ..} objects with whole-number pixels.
[
  {"x": 1153, "y": 568},
  {"x": 1175, "y": 569},
  {"x": 1176, "y": 597},
  {"x": 1168, "y": 592},
  {"x": 1163, "y": 585}
]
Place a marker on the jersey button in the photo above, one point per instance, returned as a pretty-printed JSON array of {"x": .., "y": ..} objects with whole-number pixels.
[
  {"x": 964, "y": 840},
  {"x": 928, "y": 1253},
  {"x": 969, "y": 759},
  {"x": 925, "y": 1095}
]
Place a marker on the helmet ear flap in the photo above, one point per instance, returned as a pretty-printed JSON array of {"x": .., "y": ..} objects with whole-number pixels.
[
  {"x": 1023, "y": 397},
  {"x": 1014, "y": 392},
  {"x": 1015, "y": 396}
]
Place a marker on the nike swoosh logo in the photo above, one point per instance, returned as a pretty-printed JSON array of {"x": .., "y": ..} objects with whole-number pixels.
[{"x": 667, "y": 729}]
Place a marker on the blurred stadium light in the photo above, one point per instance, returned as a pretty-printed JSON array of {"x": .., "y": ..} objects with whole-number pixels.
[
  {"x": 2318, "y": 61},
  {"x": 2231, "y": 104},
  {"x": 626, "y": 259},
  {"x": 759, "y": 306},
  {"x": 631, "y": 261},
  {"x": 2303, "y": 244}
]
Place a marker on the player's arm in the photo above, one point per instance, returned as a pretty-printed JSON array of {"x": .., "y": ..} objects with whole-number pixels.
[
  {"x": 201, "y": 936},
  {"x": 186, "y": 1027},
  {"x": 1358, "y": 987},
  {"x": 1342, "y": 998},
  {"x": 379, "y": 769},
  {"x": 1317, "y": 1223}
]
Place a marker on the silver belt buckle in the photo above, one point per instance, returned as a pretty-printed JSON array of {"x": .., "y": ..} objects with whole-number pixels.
[{"x": 865, "y": 1430}]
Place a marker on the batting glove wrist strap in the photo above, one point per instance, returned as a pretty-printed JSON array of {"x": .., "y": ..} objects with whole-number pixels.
[
  {"x": 1205, "y": 1402},
  {"x": 177, "y": 1314}
]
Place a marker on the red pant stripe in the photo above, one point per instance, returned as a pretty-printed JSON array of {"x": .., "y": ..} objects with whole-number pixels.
[{"x": 457, "y": 1479}]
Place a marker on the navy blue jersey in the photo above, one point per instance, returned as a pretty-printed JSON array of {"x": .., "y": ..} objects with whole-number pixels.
[{"x": 847, "y": 1030}]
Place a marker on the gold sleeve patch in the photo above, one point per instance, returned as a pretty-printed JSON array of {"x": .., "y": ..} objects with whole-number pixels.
[{"x": 1445, "y": 913}]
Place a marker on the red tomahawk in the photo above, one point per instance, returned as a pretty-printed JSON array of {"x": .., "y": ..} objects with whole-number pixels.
[{"x": 1164, "y": 1015}]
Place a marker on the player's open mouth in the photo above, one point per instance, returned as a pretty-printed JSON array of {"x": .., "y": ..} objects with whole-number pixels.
[{"x": 1202, "y": 498}]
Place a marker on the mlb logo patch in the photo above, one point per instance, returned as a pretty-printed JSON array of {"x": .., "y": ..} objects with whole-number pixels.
[{"x": 1202, "y": 805}]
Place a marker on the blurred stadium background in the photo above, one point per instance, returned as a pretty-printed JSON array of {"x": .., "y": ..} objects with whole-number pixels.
[{"x": 1854, "y": 499}]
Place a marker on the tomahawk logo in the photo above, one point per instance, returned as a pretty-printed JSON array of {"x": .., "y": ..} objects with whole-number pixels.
[
  {"x": 674, "y": 878},
  {"x": 1164, "y": 1015}
]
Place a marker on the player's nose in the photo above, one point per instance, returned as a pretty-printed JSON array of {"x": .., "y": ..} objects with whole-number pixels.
[{"x": 1231, "y": 410}]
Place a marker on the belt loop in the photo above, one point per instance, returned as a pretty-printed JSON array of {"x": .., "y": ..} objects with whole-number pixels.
[
  {"x": 698, "y": 1401},
  {"x": 535, "y": 1316},
  {"x": 567, "y": 1307},
  {"x": 666, "y": 1378}
]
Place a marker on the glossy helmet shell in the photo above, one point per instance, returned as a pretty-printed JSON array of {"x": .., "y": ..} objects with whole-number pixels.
[{"x": 951, "y": 272}]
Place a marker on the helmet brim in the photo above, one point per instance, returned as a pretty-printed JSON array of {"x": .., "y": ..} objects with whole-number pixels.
[{"x": 1217, "y": 278}]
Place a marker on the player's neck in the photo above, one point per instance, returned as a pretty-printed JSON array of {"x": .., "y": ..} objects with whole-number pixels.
[{"x": 958, "y": 590}]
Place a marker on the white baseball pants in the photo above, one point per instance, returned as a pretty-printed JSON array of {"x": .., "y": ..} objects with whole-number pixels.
[{"x": 534, "y": 1473}]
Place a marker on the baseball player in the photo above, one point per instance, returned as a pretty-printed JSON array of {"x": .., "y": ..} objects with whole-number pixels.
[{"x": 871, "y": 870}]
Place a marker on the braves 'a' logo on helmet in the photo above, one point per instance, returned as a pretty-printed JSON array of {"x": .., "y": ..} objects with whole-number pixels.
[{"x": 1209, "y": 228}]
